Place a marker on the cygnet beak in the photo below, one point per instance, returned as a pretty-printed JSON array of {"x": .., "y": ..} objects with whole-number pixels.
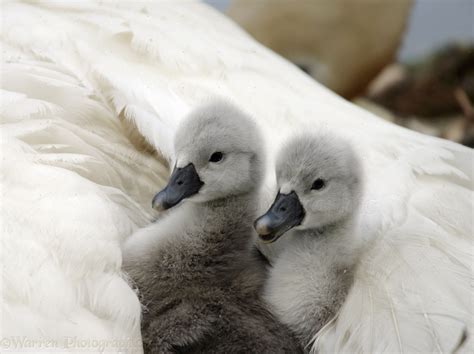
[
  {"x": 183, "y": 183},
  {"x": 285, "y": 213}
]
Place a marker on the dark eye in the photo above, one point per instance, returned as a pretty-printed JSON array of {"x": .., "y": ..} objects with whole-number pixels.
[
  {"x": 318, "y": 184},
  {"x": 216, "y": 157}
]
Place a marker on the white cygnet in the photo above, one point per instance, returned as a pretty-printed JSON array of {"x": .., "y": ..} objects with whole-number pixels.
[{"x": 320, "y": 182}]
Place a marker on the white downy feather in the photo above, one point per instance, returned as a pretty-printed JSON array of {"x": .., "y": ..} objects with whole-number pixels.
[{"x": 77, "y": 75}]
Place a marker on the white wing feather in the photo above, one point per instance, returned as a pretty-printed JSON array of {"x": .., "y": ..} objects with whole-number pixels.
[{"x": 74, "y": 184}]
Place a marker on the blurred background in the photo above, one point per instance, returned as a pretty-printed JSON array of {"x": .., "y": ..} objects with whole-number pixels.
[{"x": 409, "y": 61}]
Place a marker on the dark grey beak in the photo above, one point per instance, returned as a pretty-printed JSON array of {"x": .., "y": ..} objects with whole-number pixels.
[
  {"x": 184, "y": 182},
  {"x": 285, "y": 213}
]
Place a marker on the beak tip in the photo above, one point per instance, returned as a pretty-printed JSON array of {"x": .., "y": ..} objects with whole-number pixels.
[
  {"x": 158, "y": 206},
  {"x": 262, "y": 229},
  {"x": 261, "y": 226},
  {"x": 158, "y": 203}
]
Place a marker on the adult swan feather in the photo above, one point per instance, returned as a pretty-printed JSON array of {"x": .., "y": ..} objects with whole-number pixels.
[{"x": 91, "y": 90}]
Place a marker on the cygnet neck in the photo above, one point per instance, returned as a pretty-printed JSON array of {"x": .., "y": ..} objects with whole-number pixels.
[
  {"x": 228, "y": 219},
  {"x": 337, "y": 241}
]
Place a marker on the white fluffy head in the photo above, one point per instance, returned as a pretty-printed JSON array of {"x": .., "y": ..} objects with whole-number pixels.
[
  {"x": 220, "y": 130},
  {"x": 325, "y": 173}
]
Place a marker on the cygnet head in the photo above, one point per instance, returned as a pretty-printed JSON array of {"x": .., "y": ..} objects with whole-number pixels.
[
  {"x": 218, "y": 153},
  {"x": 319, "y": 179}
]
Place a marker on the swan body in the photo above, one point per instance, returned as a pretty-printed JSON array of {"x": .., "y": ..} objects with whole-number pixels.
[
  {"x": 92, "y": 94},
  {"x": 319, "y": 181},
  {"x": 320, "y": 35},
  {"x": 195, "y": 270}
]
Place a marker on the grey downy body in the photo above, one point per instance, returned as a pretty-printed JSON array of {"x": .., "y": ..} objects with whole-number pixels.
[{"x": 197, "y": 272}]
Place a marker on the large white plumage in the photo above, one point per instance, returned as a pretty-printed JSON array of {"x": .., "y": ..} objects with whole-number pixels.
[{"x": 80, "y": 80}]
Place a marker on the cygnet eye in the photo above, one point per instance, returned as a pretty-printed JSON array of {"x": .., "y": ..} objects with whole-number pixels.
[
  {"x": 216, "y": 157},
  {"x": 318, "y": 184}
]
